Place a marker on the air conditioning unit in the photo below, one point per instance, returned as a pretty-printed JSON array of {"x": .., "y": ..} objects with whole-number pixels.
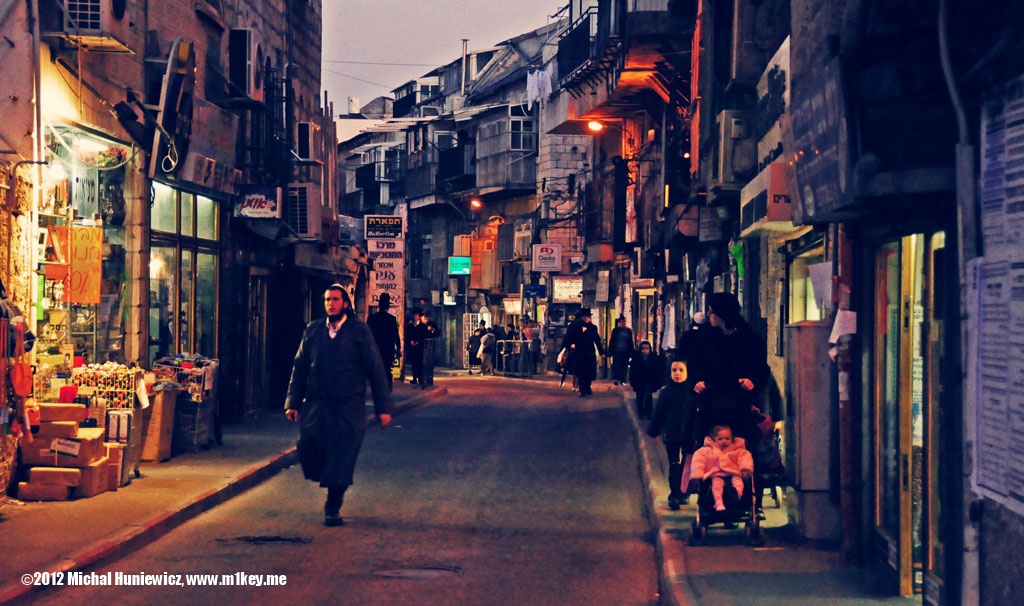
[
  {"x": 245, "y": 63},
  {"x": 97, "y": 25},
  {"x": 523, "y": 239},
  {"x": 307, "y": 140},
  {"x": 462, "y": 246},
  {"x": 734, "y": 155},
  {"x": 304, "y": 210}
]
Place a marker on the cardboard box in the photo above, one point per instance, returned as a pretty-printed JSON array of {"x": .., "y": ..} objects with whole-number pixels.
[
  {"x": 54, "y": 476},
  {"x": 95, "y": 479},
  {"x": 52, "y": 411},
  {"x": 42, "y": 492},
  {"x": 160, "y": 433},
  {"x": 80, "y": 451},
  {"x": 115, "y": 456},
  {"x": 56, "y": 429}
]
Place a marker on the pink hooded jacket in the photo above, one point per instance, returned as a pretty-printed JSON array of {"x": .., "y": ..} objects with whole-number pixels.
[{"x": 709, "y": 461}]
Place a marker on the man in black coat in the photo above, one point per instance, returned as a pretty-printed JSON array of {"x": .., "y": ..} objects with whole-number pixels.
[
  {"x": 620, "y": 344},
  {"x": 414, "y": 346},
  {"x": 426, "y": 332},
  {"x": 384, "y": 327},
  {"x": 583, "y": 344},
  {"x": 327, "y": 396}
]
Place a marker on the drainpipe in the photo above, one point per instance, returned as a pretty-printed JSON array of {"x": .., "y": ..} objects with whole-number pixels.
[
  {"x": 37, "y": 148},
  {"x": 465, "y": 51},
  {"x": 968, "y": 251}
]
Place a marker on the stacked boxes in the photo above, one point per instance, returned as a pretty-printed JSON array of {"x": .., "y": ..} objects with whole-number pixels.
[{"x": 66, "y": 460}]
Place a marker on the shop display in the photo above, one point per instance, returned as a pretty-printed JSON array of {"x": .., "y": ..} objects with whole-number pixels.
[{"x": 196, "y": 409}]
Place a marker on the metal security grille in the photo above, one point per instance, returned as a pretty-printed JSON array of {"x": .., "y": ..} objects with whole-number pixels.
[
  {"x": 298, "y": 208},
  {"x": 83, "y": 14}
]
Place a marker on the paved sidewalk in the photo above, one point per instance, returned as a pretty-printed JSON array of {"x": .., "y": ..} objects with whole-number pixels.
[
  {"x": 63, "y": 536},
  {"x": 726, "y": 571}
]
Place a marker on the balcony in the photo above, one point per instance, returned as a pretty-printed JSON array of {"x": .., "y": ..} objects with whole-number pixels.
[
  {"x": 457, "y": 167},
  {"x": 375, "y": 173},
  {"x": 629, "y": 43}
]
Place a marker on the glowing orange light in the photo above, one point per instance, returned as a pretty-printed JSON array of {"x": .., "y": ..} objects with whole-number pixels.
[
  {"x": 595, "y": 126},
  {"x": 476, "y": 204}
]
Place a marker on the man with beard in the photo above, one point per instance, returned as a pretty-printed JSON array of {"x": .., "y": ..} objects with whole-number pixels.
[{"x": 327, "y": 396}]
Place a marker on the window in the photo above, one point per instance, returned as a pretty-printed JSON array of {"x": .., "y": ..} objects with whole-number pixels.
[
  {"x": 523, "y": 137},
  {"x": 184, "y": 266}
]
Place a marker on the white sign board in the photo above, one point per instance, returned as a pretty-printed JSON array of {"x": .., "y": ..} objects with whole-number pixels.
[
  {"x": 567, "y": 289},
  {"x": 388, "y": 273},
  {"x": 547, "y": 257}
]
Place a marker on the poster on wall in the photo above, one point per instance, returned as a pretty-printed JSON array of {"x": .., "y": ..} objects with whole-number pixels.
[{"x": 996, "y": 304}]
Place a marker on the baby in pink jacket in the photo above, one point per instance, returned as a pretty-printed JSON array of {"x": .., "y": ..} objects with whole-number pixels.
[{"x": 721, "y": 457}]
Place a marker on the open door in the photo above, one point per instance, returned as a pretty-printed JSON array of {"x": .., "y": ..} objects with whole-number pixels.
[{"x": 907, "y": 411}]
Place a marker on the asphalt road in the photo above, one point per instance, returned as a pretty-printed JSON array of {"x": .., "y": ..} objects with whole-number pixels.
[{"x": 505, "y": 492}]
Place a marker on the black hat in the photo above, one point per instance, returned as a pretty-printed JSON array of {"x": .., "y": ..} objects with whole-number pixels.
[
  {"x": 584, "y": 312},
  {"x": 384, "y": 301},
  {"x": 725, "y": 306}
]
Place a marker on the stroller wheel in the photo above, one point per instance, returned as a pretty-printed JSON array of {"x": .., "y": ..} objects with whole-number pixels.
[
  {"x": 755, "y": 538},
  {"x": 697, "y": 534}
]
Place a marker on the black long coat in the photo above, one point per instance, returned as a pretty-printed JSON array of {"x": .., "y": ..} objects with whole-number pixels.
[
  {"x": 384, "y": 327},
  {"x": 583, "y": 358},
  {"x": 675, "y": 413},
  {"x": 328, "y": 388},
  {"x": 743, "y": 354}
]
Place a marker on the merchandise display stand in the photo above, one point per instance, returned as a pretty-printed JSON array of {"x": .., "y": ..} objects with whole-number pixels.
[{"x": 196, "y": 425}]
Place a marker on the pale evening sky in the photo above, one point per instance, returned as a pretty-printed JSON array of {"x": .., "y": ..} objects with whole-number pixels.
[{"x": 360, "y": 37}]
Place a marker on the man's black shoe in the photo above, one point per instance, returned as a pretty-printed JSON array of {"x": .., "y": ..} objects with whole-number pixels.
[
  {"x": 673, "y": 502},
  {"x": 333, "y": 521}
]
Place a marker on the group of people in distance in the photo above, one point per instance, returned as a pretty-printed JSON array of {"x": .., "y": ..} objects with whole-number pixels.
[{"x": 712, "y": 407}]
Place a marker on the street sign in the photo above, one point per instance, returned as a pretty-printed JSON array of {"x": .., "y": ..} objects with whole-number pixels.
[
  {"x": 535, "y": 291},
  {"x": 382, "y": 226},
  {"x": 459, "y": 266}
]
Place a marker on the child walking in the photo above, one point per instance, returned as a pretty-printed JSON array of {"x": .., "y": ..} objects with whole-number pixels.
[
  {"x": 722, "y": 457},
  {"x": 674, "y": 417}
]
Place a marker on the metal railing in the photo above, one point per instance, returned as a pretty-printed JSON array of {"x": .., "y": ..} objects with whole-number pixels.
[{"x": 516, "y": 358}]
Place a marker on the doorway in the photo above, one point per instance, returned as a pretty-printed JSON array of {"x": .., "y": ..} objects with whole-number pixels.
[
  {"x": 257, "y": 386},
  {"x": 908, "y": 341}
]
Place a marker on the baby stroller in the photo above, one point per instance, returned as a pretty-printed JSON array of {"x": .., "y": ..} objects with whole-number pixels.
[{"x": 737, "y": 510}]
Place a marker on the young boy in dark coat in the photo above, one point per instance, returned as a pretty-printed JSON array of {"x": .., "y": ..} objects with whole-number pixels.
[
  {"x": 646, "y": 371},
  {"x": 674, "y": 418}
]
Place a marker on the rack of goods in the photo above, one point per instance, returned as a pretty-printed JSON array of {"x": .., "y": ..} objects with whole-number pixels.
[{"x": 196, "y": 424}]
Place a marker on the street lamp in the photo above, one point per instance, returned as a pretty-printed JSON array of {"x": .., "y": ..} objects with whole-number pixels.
[{"x": 597, "y": 127}]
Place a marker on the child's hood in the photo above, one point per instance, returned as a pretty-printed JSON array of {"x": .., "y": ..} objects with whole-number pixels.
[{"x": 737, "y": 444}]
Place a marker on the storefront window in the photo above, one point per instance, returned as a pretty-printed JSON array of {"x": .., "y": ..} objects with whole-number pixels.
[
  {"x": 163, "y": 271},
  {"x": 206, "y": 302},
  {"x": 206, "y": 218},
  {"x": 802, "y": 303},
  {"x": 165, "y": 209},
  {"x": 82, "y": 297},
  {"x": 184, "y": 313}
]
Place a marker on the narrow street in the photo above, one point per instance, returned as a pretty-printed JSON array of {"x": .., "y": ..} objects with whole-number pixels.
[{"x": 505, "y": 492}]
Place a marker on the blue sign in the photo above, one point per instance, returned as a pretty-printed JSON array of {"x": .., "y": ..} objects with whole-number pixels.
[{"x": 535, "y": 291}]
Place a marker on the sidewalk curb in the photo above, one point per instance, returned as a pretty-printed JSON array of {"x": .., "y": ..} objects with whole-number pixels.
[
  {"x": 125, "y": 541},
  {"x": 668, "y": 550}
]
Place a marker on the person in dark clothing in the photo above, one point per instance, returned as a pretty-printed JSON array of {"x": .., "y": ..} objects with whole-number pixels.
[
  {"x": 583, "y": 344},
  {"x": 426, "y": 335},
  {"x": 693, "y": 345},
  {"x": 620, "y": 345},
  {"x": 384, "y": 327},
  {"x": 674, "y": 418},
  {"x": 327, "y": 397},
  {"x": 473, "y": 346},
  {"x": 414, "y": 346},
  {"x": 646, "y": 370},
  {"x": 737, "y": 371}
]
